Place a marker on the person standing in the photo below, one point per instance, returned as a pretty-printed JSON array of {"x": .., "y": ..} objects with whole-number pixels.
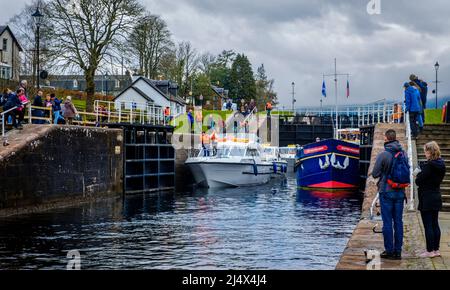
[
  {"x": 10, "y": 100},
  {"x": 56, "y": 109},
  {"x": 429, "y": 181},
  {"x": 191, "y": 121},
  {"x": 423, "y": 95},
  {"x": 38, "y": 113},
  {"x": 206, "y": 144},
  {"x": 413, "y": 106},
  {"x": 21, "y": 109},
  {"x": 70, "y": 111},
  {"x": 391, "y": 198},
  {"x": 269, "y": 108}
]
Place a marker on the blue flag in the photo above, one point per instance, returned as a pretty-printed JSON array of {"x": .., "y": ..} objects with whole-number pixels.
[{"x": 324, "y": 89}]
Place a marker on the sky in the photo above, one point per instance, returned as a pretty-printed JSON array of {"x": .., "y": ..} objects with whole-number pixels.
[{"x": 298, "y": 40}]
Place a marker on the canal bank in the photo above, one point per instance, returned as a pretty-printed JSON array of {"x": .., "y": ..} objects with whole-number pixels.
[
  {"x": 367, "y": 235},
  {"x": 48, "y": 166}
]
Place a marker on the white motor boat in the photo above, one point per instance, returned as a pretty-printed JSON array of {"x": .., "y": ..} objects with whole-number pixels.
[
  {"x": 289, "y": 154},
  {"x": 233, "y": 164},
  {"x": 273, "y": 155}
]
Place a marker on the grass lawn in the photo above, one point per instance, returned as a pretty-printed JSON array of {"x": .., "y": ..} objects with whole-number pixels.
[
  {"x": 433, "y": 116},
  {"x": 80, "y": 104}
]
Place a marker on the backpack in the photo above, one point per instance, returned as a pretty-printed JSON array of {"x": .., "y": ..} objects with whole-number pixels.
[{"x": 399, "y": 175}]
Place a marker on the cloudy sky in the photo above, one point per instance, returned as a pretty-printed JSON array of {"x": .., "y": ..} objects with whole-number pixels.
[{"x": 297, "y": 40}]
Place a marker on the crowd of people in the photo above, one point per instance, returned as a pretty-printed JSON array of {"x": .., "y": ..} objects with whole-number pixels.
[{"x": 44, "y": 109}]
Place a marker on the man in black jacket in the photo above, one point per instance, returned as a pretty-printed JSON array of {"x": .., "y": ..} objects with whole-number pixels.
[{"x": 391, "y": 200}]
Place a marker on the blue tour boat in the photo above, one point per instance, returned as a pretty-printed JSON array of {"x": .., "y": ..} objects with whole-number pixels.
[{"x": 328, "y": 165}]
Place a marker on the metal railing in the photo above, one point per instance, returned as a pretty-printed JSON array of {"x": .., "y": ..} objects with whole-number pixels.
[
  {"x": 127, "y": 112},
  {"x": 377, "y": 112},
  {"x": 3, "y": 114},
  {"x": 410, "y": 159}
]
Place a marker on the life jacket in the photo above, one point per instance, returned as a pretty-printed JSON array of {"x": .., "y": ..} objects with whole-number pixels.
[
  {"x": 166, "y": 112},
  {"x": 206, "y": 139}
]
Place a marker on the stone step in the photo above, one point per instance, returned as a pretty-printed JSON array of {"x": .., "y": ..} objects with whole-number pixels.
[
  {"x": 432, "y": 137},
  {"x": 446, "y": 198},
  {"x": 446, "y": 207}
]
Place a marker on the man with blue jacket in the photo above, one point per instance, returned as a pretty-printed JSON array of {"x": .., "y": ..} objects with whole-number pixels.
[
  {"x": 423, "y": 89},
  {"x": 413, "y": 106}
]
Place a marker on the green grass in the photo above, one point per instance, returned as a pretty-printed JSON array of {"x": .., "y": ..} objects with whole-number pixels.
[
  {"x": 80, "y": 104},
  {"x": 433, "y": 117}
]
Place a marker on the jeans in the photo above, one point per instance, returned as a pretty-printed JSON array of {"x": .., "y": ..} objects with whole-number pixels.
[
  {"x": 430, "y": 221},
  {"x": 392, "y": 204},
  {"x": 58, "y": 116},
  {"x": 413, "y": 118},
  {"x": 420, "y": 120},
  {"x": 206, "y": 150}
]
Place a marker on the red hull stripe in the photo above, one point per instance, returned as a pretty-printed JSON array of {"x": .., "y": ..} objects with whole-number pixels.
[{"x": 332, "y": 184}]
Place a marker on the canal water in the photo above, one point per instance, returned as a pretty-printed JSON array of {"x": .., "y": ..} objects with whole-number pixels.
[{"x": 268, "y": 227}]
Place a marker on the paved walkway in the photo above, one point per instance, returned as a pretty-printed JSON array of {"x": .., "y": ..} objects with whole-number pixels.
[
  {"x": 364, "y": 238},
  {"x": 444, "y": 262}
]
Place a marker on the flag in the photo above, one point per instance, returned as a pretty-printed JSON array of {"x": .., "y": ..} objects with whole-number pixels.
[
  {"x": 348, "y": 89},
  {"x": 324, "y": 89}
]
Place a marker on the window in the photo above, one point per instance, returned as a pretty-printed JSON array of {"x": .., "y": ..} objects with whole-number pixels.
[
  {"x": 75, "y": 84},
  {"x": 5, "y": 73},
  {"x": 5, "y": 44},
  {"x": 117, "y": 84}
]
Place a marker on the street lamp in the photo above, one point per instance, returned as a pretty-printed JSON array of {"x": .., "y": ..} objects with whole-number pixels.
[
  {"x": 293, "y": 98},
  {"x": 37, "y": 17},
  {"x": 436, "y": 66},
  {"x": 201, "y": 100}
]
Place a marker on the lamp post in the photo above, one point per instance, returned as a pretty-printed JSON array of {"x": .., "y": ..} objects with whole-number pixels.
[
  {"x": 293, "y": 98},
  {"x": 436, "y": 66},
  {"x": 37, "y": 16}
]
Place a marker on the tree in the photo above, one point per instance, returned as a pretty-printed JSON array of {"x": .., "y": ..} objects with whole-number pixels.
[
  {"x": 187, "y": 58},
  {"x": 150, "y": 41},
  {"x": 264, "y": 88},
  {"x": 202, "y": 87},
  {"x": 220, "y": 70},
  {"x": 86, "y": 32},
  {"x": 242, "y": 81}
]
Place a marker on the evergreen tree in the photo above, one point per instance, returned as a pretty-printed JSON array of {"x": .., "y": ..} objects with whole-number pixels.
[
  {"x": 264, "y": 89},
  {"x": 242, "y": 81}
]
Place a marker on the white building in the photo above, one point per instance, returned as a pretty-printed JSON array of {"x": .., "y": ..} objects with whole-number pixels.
[
  {"x": 145, "y": 91},
  {"x": 9, "y": 55}
]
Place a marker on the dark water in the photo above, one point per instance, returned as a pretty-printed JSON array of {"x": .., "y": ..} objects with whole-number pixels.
[{"x": 267, "y": 227}]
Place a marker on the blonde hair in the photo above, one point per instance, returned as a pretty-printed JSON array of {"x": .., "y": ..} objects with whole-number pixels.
[{"x": 433, "y": 149}]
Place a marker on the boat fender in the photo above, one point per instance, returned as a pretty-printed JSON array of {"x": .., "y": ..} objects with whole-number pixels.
[
  {"x": 255, "y": 168},
  {"x": 275, "y": 169}
]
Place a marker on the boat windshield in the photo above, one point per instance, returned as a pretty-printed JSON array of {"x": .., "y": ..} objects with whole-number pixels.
[
  {"x": 222, "y": 152},
  {"x": 290, "y": 151},
  {"x": 237, "y": 152}
]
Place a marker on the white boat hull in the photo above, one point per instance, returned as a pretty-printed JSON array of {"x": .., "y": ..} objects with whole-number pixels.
[{"x": 220, "y": 175}]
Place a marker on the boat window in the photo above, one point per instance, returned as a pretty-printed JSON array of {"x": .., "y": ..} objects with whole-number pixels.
[
  {"x": 252, "y": 153},
  {"x": 237, "y": 151},
  {"x": 222, "y": 152}
]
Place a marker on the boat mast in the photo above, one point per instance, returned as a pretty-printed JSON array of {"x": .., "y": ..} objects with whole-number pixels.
[
  {"x": 335, "y": 76},
  {"x": 336, "y": 93}
]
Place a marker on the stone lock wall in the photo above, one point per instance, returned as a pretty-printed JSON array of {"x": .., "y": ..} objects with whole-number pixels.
[{"x": 49, "y": 166}]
